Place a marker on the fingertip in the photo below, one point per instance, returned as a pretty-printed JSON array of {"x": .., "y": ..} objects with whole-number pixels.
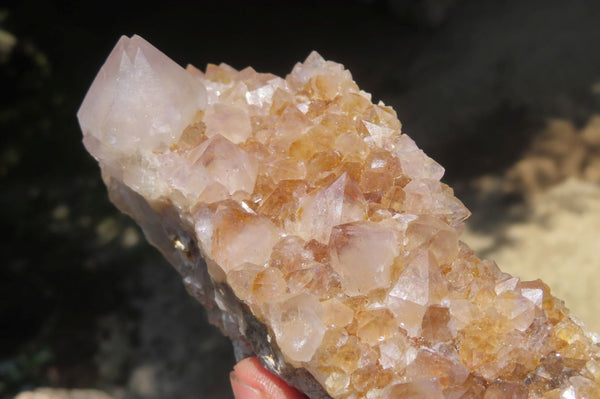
[
  {"x": 241, "y": 390},
  {"x": 250, "y": 372}
]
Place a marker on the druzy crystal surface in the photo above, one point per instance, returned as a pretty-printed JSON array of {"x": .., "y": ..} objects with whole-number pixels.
[{"x": 319, "y": 237}]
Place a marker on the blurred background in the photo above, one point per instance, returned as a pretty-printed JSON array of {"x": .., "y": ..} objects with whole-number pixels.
[{"x": 505, "y": 94}]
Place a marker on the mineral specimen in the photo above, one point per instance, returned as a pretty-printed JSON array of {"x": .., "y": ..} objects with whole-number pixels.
[{"x": 330, "y": 245}]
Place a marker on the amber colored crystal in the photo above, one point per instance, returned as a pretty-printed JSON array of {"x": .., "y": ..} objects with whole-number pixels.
[{"x": 331, "y": 246}]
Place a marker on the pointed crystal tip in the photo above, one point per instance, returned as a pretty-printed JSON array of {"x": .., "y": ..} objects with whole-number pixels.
[{"x": 140, "y": 100}]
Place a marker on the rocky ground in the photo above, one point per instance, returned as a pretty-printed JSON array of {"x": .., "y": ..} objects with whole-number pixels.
[{"x": 504, "y": 93}]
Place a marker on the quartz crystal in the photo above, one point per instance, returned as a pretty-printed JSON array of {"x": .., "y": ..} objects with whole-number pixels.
[{"x": 319, "y": 237}]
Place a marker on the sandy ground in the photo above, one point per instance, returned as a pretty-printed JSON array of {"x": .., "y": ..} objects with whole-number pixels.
[{"x": 557, "y": 241}]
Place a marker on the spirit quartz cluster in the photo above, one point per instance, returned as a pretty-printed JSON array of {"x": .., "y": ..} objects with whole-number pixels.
[{"x": 319, "y": 237}]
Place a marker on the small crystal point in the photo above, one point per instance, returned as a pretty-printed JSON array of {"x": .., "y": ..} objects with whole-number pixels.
[{"x": 319, "y": 237}]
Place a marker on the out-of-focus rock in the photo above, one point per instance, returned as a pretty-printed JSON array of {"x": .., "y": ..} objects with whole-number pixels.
[{"x": 54, "y": 393}]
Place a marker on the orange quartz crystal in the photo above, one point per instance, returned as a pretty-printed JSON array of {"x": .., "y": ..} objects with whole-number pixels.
[{"x": 332, "y": 229}]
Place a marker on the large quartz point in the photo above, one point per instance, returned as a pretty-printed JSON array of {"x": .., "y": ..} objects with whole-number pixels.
[{"x": 319, "y": 237}]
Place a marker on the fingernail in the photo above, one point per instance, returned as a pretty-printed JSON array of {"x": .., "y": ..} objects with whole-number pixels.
[{"x": 241, "y": 390}]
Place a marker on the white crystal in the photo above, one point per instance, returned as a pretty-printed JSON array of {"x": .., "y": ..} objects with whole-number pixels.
[
  {"x": 535, "y": 295},
  {"x": 362, "y": 253},
  {"x": 415, "y": 162},
  {"x": 413, "y": 284},
  {"x": 320, "y": 211},
  {"x": 506, "y": 285},
  {"x": 325, "y": 208},
  {"x": 234, "y": 244},
  {"x": 229, "y": 165},
  {"x": 140, "y": 99},
  {"x": 379, "y": 134},
  {"x": 298, "y": 326},
  {"x": 229, "y": 121}
]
